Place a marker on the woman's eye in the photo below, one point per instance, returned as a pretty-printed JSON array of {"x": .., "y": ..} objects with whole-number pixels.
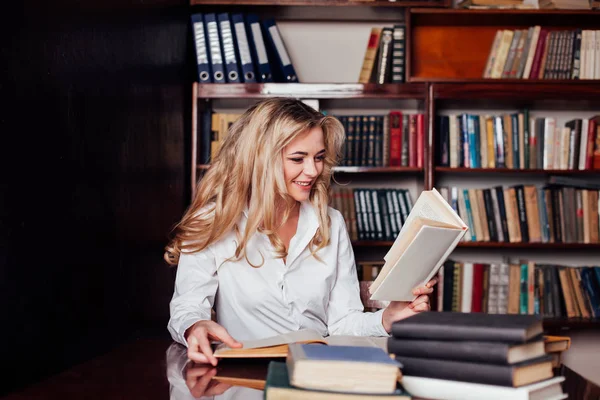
[
  {"x": 320, "y": 158},
  {"x": 296, "y": 160}
]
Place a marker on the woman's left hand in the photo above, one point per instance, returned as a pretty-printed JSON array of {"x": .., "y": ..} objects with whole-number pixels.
[{"x": 398, "y": 310}]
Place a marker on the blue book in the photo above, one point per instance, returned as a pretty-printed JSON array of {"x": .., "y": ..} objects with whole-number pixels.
[
  {"x": 283, "y": 63},
  {"x": 351, "y": 369},
  {"x": 278, "y": 385}
]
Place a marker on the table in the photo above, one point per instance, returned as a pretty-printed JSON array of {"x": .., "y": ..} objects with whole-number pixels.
[{"x": 158, "y": 369}]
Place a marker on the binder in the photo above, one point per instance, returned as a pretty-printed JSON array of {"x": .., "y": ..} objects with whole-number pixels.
[
  {"x": 258, "y": 49},
  {"x": 230, "y": 59},
  {"x": 214, "y": 48},
  {"x": 282, "y": 58},
  {"x": 398, "y": 53},
  {"x": 243, "y": 49},
  {"x": 204, "y": 72}
]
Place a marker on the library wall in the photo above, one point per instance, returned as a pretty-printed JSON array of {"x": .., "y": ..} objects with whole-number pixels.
[{"x": 93, "y": 128}]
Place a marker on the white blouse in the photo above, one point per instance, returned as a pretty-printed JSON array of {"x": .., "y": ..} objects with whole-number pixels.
[{"x": 255, "y": 303}]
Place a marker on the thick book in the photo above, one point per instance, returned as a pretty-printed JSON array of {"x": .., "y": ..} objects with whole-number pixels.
[
  {"x": 277, "y": 346},
  {"x": 514, "y": 375},
  {"x": 482, "y": 352},
  {"x": 441, "y": 389},
  {"x": 430, "y": 233},
  {"x": 342, "y": 368},
  {"x": 505, "y": 328},
  {"x": 278, "y": 387}
]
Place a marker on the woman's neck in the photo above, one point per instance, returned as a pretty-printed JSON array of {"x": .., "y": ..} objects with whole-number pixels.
[{"x": 280, "y": 209}]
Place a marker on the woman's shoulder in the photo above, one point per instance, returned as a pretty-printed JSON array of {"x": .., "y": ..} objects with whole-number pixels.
[{"x": 335, "y": 215}]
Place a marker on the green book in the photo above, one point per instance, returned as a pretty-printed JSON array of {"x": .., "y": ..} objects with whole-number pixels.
[{"x": 278, "y": 387}]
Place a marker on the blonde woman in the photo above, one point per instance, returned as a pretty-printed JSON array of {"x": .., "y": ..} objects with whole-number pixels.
[{"x": 259, "y": 230}]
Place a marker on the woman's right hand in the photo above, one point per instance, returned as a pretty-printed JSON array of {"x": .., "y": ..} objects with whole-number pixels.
[{"x": 198, "y": 338}]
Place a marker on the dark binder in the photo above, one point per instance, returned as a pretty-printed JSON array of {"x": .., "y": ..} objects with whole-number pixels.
[
  {"x": 230, "y": 58},
  {"x": 258, "y": 49},
  {"x": 214, "y": 48},
  {"x": 202, "y": 59},
  {"x": 285, "y": 69},
  {"x": 242, "y": 45}
]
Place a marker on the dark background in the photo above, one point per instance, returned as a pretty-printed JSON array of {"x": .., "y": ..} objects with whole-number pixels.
[{"x": 94, "y": 131}]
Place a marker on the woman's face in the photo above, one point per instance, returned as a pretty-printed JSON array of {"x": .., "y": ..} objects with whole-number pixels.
[{"x": 303, "y": 163}]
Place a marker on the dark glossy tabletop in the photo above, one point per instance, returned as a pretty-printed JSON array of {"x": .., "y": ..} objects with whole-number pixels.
[{"x": 158, "y": 369}]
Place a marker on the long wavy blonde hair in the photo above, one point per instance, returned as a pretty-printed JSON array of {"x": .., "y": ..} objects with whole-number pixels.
[{"x": 248, "y": 171}]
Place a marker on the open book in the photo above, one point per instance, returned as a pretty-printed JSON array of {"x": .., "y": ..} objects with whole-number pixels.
[
  {"x": 429, "y": 234},
  {"x": 277, "y": 346}
]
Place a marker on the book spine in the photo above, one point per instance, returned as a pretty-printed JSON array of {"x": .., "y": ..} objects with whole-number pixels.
[{"x": 478, "y": 352}]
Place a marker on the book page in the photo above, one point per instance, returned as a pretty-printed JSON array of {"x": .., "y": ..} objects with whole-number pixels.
[
  {"x": 303, "y": 335},
  {"x": 358, "y": 341}
]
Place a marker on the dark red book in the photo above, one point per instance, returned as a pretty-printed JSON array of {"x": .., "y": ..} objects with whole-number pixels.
[{"x": 477, "y": 294}]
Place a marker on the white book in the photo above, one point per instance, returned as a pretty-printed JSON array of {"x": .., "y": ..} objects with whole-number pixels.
[
  {"x": 430, "y": 233},
  {"x": 440, "y": 389},
  {"x": 467, "y": 287}
]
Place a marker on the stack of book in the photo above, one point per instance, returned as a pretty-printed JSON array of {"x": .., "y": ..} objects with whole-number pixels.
[
  {"x": 474, "y": 356},
  {"x": 316, "y": 371}
]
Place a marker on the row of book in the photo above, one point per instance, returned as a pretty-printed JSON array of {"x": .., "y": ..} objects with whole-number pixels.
[
  {"x": 517, "y": 141},
  {"x": 541, "y": 53},
  {"x": 527, "y": 213},
  {"x": 395, "y": 139},
  {"x": 385, "y": 56},
  {"x": 236, "y": 48},
  {"x": 372, "y": 214},
  {"x": 521, "y": 287}
]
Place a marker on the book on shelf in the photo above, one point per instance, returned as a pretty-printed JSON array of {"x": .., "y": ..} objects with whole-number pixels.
[
  {"x": 278, "y": 387},
  {"x": 367, "y": 370},
  {"x": 551, "y": 213},
  {"x": 277, "y": 346},
  {"x": 517, "y": 141},
  {"x": 430, "y": 233},
  {"x": 520, "y": 287},
  {"x": 384, "y": 60},
  {"x": 540, "y": 52},
  {"x": 373, "y": 214},
  {"x": 394, "y": 139}
]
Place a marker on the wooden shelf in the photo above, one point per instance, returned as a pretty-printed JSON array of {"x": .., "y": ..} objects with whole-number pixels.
[
  {"x": 353, "y": 170},
  {"x": 313, "y": 90},
  {"x": 530, "y": 246},
  {"x": 509, "y": 171},
  {"x": 327, "y": 3},
  {"x": 453, "y": 44},
  {"x": 496, "y": 245},
  {"x": 357, "y": 170},
  {"x": 516, "y": 89}
]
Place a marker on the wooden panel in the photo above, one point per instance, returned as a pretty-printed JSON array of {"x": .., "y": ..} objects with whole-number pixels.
[
  {"x": 96, "y": 126},
  {"x": 449, "y": 51},
  {"x": 313, "y": 90}
]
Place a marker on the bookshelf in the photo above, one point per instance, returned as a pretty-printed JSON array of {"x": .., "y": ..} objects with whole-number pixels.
[{"x": 446, "y": 52}]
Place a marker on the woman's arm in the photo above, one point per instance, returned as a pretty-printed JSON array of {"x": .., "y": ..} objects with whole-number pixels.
[{"x": 195, "y": 287}]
